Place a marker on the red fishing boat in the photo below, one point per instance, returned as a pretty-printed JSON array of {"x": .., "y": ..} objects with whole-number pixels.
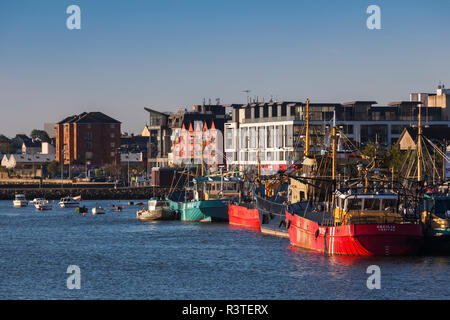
[
  {"x": 243, "y": 215},
  {"x": 361, "y": 224}
]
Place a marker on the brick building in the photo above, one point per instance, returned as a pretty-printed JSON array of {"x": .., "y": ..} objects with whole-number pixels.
[{"x": 91, "y": 138}]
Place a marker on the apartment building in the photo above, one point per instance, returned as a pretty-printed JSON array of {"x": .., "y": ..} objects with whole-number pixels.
[{"x": 91, "y": 138}]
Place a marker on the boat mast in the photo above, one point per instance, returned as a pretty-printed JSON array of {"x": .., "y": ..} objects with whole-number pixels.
[
  {"x": 333, "y": 170},
  {"x": 307, "y": 129},
  {"x": 258, "y": 158},
  {"x": 202, "y": 149},
  {"x": 419, "y": 147}
]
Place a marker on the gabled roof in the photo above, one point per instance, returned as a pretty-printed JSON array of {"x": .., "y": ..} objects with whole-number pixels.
[{"x": 432, "y": 133}]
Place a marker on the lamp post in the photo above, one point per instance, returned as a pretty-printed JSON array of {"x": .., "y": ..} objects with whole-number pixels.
[
  {"x": 118, "y": 154},
  {"x": 128, "y": 171}
]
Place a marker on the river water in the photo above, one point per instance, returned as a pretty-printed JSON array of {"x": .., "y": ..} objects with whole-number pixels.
[{"x": 122, "y": 258}]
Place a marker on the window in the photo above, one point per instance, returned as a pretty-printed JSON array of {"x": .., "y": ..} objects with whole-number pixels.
[
  {"x": 274, "y": 110},
  {"x": 289, "y": 135},
  {"x": 113, "y": 144},
  {"x": 270, "y": 137},
  {"x": 253, "y": 137},
  {"x": 279, "y": 137},
  {"x": 113, "y": 125},
  {"x": 229, "y": 139},
  {"x": 89, "y": 146},
  {"x": 113, "y": 135},
  {"x": 292, "y": 112},
  {"x": 372, "y": 204},
  {"x": 88, "y": 136},
  {"x": 354, "y": 204},
  {"x": 389, "y": 205}
]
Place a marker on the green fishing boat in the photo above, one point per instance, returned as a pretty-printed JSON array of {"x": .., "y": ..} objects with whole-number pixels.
[
  {"x": 207, "y": 200},
  {"x": 436, "y": 221}
]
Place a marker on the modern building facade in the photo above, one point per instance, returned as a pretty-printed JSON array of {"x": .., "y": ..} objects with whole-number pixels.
[
  {"x": 277, "y": 129},
  {"x": 91, "y": 138},
  {"x": 158, "y": 135}
]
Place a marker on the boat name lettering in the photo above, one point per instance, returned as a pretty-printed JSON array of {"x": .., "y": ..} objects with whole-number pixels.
[{"x": 384, "y": 228}]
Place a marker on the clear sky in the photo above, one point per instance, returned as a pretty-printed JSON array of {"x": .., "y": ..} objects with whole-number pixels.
[{"x": 167, "y": 54}]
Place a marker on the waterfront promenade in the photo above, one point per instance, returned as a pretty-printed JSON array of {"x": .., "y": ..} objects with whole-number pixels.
[{"x": 55, "y": 190}]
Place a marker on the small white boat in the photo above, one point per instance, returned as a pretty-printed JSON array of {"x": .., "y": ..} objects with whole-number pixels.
[
  {"x": 36, "y": 200},
  {"x": 68, "y": 202},
  {"x": 20, "y": 201},
  {"x": 98, "y": 210},
  {"x": 157, "y": 210},
  {"x": 43, "y": 204}
]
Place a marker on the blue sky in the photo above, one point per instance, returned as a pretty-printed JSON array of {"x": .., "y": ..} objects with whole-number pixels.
[{"x": 167, "y": 54}]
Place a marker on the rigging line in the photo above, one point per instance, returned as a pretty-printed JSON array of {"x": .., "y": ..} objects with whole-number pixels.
[
  {"x": 438, "y": 149},
  {"x": 430, "y": 161}
]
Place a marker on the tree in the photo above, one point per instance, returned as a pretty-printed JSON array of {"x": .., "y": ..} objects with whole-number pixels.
[
  {"x": 40, "y": 134},
  {"x": 53, "y": 168},
  {"x": 394, "y": 158},
  {"x": 8, "y": 148},
  {"x": 4, "y": 139},
  {"x": 374, "y": 150}
]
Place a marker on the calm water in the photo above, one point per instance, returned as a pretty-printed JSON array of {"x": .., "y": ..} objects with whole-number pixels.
[{"x": 122, "y": 258}]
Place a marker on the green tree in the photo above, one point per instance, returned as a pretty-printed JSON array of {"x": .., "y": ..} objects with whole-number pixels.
[
  {"x": 374, "y": 150},
  {"x": 394, "y": 158},
  {"x": 41, "y": 134},
  {"x": 53, "y": 168}
]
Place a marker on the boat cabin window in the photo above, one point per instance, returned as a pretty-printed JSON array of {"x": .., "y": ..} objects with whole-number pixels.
[
  {"x": 442, "y": 208},
  {"x": 389, "y": 205},
  {"x": 354, "y": 204},
  {"x": 372, "y": 204}
]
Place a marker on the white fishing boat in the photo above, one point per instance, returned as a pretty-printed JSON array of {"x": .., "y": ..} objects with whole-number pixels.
[
  {"x": 98, "y": 210},
  {"x": 20, "y": 201},
  {"x": 157, "y": 210},
  {"x": 42, "y": 204},
  {"x": 68, "y": 202}
]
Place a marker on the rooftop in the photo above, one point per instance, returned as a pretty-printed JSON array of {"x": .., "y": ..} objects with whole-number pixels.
[{"x": 89, "y": 117}]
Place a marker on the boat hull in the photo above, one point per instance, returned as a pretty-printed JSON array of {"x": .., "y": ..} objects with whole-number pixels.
[
  {"x": 242, "y": 216},
  {"x": 164, "y": 214},
  {"x": 68, "y": 205},
  {"x": 355, "y": 240},
  {"x": 43, "y": 207},
  {"x": 20, "y": 203},
  {"x": 437, "y": 242},
  {"x": 204, "y": 211},
  {"x": 272, "y": 218}
]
